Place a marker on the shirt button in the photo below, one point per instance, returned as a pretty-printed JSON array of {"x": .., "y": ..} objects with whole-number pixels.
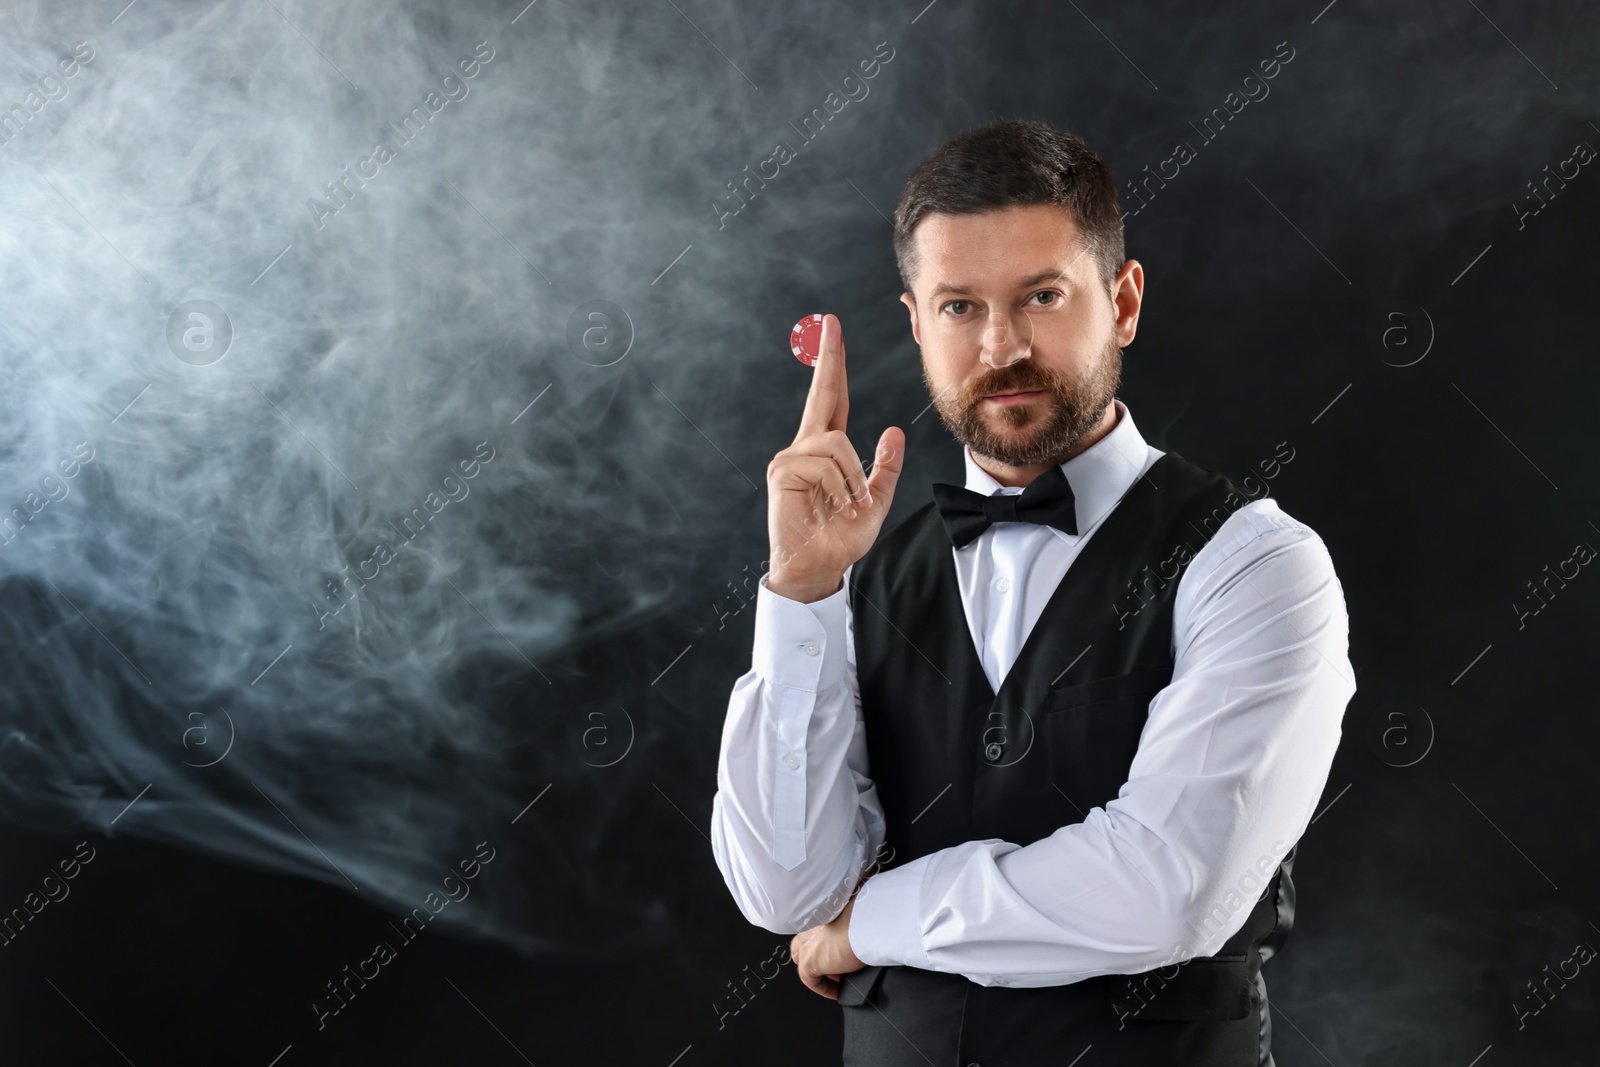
[
  {"x": 993, "y": 751},
  {"x": 791, "y": 761},
  {"x": 1004, "y": 585},
  {"x": 1001, "y": 979},
  {"x": 811, "y": 648}
]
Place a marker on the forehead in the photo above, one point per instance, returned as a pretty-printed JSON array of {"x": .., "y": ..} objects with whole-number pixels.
[{"x": 999, "y": 248}]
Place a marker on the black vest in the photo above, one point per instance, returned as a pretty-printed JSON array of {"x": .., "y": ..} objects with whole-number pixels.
[{"x": 954, "y": 761}]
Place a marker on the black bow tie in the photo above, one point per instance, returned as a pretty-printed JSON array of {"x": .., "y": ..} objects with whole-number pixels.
[{"x": 1046, "y": 500}]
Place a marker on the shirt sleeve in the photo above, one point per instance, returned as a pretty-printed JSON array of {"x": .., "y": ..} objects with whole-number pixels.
[
  {"x": 795, "y": 815},
  {"x": 1234, "y": 755}
]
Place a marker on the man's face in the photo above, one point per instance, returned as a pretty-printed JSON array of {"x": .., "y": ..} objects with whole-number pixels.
[{"x": 1010, "y": 302}]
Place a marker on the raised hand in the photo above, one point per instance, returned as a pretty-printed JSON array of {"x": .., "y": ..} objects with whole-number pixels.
[{"x": 823, "y": 511}]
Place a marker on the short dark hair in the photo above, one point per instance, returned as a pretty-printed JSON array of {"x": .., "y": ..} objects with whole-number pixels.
[{"x": 1017, "y": 162}]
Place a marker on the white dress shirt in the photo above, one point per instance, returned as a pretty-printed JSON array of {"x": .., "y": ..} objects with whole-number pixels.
[{"x": 1232, "y": 760}]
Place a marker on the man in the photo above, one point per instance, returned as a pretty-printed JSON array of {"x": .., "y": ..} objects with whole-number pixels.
[{"x": 1026, "y": 772}]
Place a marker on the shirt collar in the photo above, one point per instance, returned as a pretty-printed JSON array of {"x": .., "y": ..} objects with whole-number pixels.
[{"x": 1099, "y": 475}]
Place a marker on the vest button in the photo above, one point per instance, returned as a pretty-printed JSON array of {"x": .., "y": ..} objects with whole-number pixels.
[{"x": 993, "y": 751}]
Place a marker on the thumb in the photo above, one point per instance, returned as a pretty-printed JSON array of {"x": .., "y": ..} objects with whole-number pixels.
[{"x": 886, "y": 466}]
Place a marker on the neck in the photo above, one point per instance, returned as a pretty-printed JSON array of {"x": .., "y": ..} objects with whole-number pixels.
[{"x": 1009, "y": 475}]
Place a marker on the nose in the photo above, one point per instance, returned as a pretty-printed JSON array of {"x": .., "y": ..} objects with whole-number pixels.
[{"x": 1002, "y": 344}]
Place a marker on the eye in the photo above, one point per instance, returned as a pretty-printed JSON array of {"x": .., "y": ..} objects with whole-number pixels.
[
  {"x": 1055, "y": 295},
  {"x": 956, "y": 304}
]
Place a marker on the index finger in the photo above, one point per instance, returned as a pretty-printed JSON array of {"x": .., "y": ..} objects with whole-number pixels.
[{"x": 828, "y": 402}]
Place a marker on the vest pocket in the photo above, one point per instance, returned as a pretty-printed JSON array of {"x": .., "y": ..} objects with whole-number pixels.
[
  {"x": 857, "y": 986},
  {"x": 1144, "y": 683},
  {"x": 1205, "y": 988},
  {"x": 1091, "y": 733}
]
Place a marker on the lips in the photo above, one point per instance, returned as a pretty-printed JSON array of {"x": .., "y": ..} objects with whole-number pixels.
[{"x": 1013, "y": 394}]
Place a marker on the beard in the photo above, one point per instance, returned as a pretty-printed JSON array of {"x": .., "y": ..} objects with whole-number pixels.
[{"x": 1040, "y": 430}]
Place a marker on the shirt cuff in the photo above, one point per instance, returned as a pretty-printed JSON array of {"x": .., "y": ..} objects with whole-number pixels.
[
  {"x": 799, "y": 645},
  {"x": 886, "y": 919}
]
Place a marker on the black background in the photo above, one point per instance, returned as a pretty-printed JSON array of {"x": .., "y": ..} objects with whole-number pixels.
[{"x": 1452, "y": 860}]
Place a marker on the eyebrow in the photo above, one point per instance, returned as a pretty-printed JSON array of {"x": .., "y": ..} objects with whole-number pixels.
[{"x": 1042, "y": 276}]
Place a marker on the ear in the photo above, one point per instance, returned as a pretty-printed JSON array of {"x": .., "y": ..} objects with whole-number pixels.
[
  {"x": 911, "y": 305},
  {"x": 1127, "y": 297}
]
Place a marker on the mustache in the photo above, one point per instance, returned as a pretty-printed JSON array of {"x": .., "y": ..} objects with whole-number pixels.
[{"x": 1018, "y": 376}]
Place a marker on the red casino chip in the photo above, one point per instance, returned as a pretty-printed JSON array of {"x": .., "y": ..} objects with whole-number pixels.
[{"x": 805, "y": 340}]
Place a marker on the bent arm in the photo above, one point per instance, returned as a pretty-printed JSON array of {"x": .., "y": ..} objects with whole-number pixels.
[
  {"x": 795, "y": 818},
  {"x": 1234, "y": 755}
]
